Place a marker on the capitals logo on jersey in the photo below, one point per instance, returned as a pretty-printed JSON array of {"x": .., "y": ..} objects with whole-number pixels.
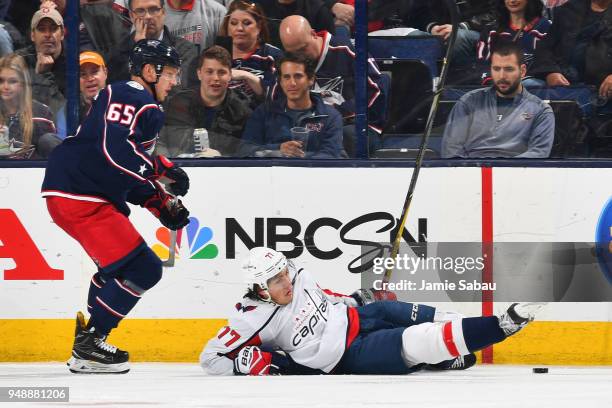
[{"x": 309, "y": 317}]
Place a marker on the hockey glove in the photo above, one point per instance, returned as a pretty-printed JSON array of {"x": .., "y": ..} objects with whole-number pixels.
[
  {"x": 173, "y": 216},
  {"x": 166, "y": 171},
  {"x": 252, "y": 361},
  {"x": 367, "y": 296}
]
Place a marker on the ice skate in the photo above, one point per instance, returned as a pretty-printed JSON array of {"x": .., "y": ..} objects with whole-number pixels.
[
  {"x": 458, "y": 363},
  {"x": 518, "y": 315},
  {"x": 92, "y": 355}
]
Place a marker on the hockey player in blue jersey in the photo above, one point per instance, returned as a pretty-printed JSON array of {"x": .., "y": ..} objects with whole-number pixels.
[
  {"x": 88, "y": 180},
  {"x": 287, "y": 324}
]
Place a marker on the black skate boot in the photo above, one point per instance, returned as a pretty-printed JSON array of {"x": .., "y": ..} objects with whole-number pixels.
[
  {"x": 517, "y": 316},
  {"x": 458, "y": 363},
  {"x": 92, "y": 355}
]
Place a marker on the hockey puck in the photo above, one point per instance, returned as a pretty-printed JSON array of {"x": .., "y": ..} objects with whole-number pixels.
[{"x": 540, "y": 370}]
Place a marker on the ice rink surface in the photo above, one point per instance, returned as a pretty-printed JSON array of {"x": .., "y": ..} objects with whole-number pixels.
[{"x": 186, "y": 385}]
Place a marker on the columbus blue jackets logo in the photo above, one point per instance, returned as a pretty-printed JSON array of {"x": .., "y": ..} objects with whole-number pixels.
[
  {"x": 314, "y": 127},
  {"x": 603, "y": 240},
  {"x": 330, "y": 90}
]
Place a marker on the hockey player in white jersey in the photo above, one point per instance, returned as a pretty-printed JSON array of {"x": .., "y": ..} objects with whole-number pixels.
[{"x": 287, "y": 324}]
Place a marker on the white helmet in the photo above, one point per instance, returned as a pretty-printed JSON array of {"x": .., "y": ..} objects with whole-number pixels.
[{"x": 261, "y": 265}]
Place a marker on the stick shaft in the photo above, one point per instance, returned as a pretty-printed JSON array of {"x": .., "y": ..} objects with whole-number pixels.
[
  {"x": 172, "y": 248},
  {"x": 172, "y": 254},
  {"x": 429, "y": 126}
]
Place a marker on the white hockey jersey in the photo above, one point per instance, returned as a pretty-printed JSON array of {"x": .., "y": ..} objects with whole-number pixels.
[{"x": 314, "y": 329}]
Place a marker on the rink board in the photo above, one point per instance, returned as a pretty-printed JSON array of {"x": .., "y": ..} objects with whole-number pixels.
[{"x": 234, "y": 205}]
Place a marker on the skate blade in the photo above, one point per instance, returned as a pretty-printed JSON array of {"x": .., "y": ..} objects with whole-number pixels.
[{"x": 79, "y": 366}]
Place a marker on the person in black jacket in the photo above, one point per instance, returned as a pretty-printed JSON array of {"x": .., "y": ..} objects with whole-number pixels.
[
  {"x": 213, "y": 107},
  {"x": 102, "y": 27},
  {"x": 317, "y": 13},
  {"x": 578, "y": 50},
  {"x": 578, "y": 47}
]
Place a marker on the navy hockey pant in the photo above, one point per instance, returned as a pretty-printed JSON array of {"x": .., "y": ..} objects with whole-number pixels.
[{"x": 377, "y": 349}]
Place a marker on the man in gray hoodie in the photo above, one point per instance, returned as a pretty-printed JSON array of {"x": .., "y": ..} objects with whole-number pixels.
[{"x": 503, "y": 120}]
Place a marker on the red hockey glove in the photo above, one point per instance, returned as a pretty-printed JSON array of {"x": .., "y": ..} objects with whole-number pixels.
[
  {"x": 367, "y": 296},
  {"x": 175, "y": 176},
  {"x": 173, "y": 216},
  {"x": 252, "y": 361}
]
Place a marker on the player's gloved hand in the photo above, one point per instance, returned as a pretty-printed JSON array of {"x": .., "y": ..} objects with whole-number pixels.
[
  {"x": 177, "y": 179},
  {"x": 367, "y": 296},
  {"x": 252, "y": 361},
  {"x": 173, "y": 215}
]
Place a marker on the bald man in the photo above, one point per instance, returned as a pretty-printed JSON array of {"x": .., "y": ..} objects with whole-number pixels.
[{"x": 335, "y": 62}]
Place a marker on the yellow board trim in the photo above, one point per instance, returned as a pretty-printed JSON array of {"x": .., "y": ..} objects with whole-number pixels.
[
  {"x": 163, "y": 340},
  {"x": 182, "y": 340}
]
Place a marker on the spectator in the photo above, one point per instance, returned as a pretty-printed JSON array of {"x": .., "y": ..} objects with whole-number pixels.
[
  {"x": 148, "y": 19},
  {"x": 6, "y": 42},
  {"x": 93, "y": 74},
  {"x": 335, "y": 62},
  {"x": 398, "y": 14},
  {"x": 196, "y": 21},
  {"x": 467, "y": 35},
  {"x": 343, "y": 12},
  {"x": 102, "y": 27},
  {"x": 318, "y": 15},
  {"x": 30, "y": 126},
  {"x": 518, "y": 21},
  {"x": 582, "y": 31},
  {"x": 15, "y": 39},
  {"x": 213, "y": 107},
  {"x": 501, "y": 121},
  {"x": 45, "y": 58},
  {"x": 253, "y": 59},
  {"x": 20, "y": 14},
  {"x": 269, "y": 130}
]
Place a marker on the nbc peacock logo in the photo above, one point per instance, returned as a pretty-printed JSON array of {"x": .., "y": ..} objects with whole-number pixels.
[{"x": 198, "y": 241}]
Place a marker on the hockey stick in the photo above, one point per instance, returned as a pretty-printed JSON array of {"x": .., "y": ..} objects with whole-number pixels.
[
  {"x": 170, "y": 261},
  {"x": 454, "y": 12},
  {"x": 172, "y": 248}
]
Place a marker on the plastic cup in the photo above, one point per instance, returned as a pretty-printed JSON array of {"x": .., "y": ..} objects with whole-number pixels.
[{"x": 300, "y": 134}]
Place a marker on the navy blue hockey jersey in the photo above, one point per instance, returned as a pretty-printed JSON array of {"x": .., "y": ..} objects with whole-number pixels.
[
  {"x": 336, "y": 77},
  {"x": 108, "y": 160}
]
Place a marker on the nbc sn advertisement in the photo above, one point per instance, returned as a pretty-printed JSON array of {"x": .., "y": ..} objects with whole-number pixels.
[{"x": 320, "y": 217}]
